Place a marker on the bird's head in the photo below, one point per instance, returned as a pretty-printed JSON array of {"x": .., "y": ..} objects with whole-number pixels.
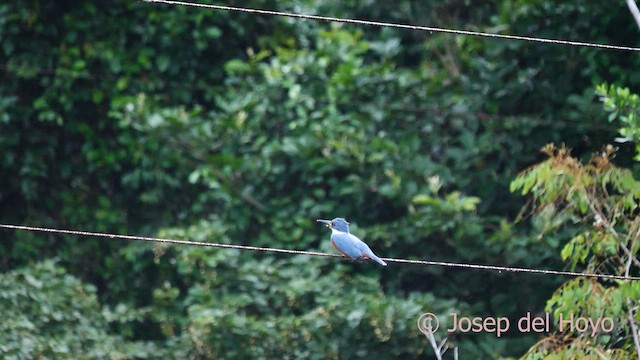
[{"x": 339, "y": 224}]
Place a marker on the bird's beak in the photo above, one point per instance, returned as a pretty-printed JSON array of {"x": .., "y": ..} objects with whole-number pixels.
[{"x": 326, "y": 222}]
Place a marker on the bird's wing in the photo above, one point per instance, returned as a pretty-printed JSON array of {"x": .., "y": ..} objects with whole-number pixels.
[
  {"x": 346, "y": 245},
  {"x": 365, "y": 251}
]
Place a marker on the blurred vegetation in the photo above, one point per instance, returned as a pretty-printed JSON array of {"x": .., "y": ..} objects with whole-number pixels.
[{"x": 206, "y": 125}]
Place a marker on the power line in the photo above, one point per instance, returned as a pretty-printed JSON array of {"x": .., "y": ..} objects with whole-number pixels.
[
  {"x": 394, "y": 25},
  {"x": 314, "y": 253}
]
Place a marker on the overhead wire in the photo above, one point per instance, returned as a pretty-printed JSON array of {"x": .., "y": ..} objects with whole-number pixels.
[
  {"x": 316, "y": 253},
  {"x": 395, "y": 25}
]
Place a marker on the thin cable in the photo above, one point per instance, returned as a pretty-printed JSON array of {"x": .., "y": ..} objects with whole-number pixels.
[
  {"x": 314, "y": 253},
  {"x": 394, "y": 25}
]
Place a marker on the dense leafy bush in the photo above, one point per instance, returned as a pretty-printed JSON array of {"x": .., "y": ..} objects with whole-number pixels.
[{"x": 214, "y": 126}]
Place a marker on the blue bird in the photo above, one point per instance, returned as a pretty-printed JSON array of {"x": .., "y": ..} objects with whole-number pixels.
[{"x": 349, "y": 245}]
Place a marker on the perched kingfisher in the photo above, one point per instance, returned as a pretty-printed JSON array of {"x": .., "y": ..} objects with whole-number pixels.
[{"x": 349, "y": 245}]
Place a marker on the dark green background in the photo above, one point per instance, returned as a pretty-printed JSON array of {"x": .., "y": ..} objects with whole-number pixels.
[{"x": 146, "y": 119}]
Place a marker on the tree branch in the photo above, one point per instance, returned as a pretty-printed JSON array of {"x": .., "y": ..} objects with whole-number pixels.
[
  {"x": 634, "y": 329},
  {"x": 634, "y": 11},
  {"x": 602, "y": 220},
  {"x": 631, "y": 257},
  {"x": 439, "y": 350},
  {"x": 434, "y": 345}
]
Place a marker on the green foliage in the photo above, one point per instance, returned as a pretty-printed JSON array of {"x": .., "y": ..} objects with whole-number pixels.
[
  {"x": 285, "y": 307},
  {"x": 48, "y": 313},
  {"x": 575, "y": 352},
  {"x": 563, "y": 180},
  {"x": 623, "y": 105},
  {"x": 608, "y": 196},
  {"x": 270, "y": 169},
  {"x": 217, "y": 126},
  {"x": 84, "y": 61}
]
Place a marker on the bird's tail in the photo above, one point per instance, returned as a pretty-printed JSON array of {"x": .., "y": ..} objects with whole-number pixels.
[{"x": 373, "y": 257}]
